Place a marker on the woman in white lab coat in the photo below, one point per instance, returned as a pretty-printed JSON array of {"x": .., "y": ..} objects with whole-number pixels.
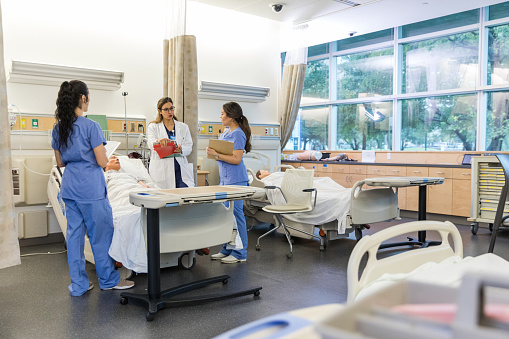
[{"x": 170, "y": 172}]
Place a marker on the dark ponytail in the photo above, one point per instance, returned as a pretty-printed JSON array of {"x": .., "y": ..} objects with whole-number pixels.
[
  {"x": 69, "y": 97},
  {"x": 234, "y": 111}
]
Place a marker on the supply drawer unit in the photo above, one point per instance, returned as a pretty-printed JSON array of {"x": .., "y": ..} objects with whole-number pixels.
[{"x": 487, "y": 182}]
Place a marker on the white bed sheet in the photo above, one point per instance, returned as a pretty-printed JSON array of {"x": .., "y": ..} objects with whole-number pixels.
[
  {"x": 446, "y": 273},
  {"x": 332, "y": 201},
  {"x": 128, "y": 243}
]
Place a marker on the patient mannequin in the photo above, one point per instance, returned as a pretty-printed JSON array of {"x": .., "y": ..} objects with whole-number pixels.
[
  {"x": 309, "y": 155},
  {"x": 339, "y": 157},
  {"x": 262, "y": 174},
  {"x": 114, "y": 165}
]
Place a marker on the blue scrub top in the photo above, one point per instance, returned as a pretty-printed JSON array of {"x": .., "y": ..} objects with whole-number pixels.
[
  {"x": 83, "y": 178},
  {"x": 228, "y": 173}
]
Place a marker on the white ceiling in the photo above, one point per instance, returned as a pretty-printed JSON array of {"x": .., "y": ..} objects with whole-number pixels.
[{"x": 369, "y": 16}]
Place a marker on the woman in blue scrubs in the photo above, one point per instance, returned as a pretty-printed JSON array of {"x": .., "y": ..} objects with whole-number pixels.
[
  {"x": 79, "y": 147},
  {"x": 232, "y": 171}
]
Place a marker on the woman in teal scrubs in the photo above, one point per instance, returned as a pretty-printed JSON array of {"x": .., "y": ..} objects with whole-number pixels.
[
  {"x": 232, "y": 171},
  {"x": 78, "y": 143}
]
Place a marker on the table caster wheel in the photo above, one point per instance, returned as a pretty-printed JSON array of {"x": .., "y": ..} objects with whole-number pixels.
[
  {"x": 474, "y": 227},
  {"x": 289, "y": 255},
  {"x": 185, "y": 261},
  {"x": 225, "y": 281},
  {"x": 124, "y": 300},
  {"x": 150, "y": 316},
  {"x": 257, "y": 293},
  {"x": 257, "y": 247}
]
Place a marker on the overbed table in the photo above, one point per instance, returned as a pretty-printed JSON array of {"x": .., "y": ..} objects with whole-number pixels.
[
  {"x": 192, "y": 218},
  {"x": 422, "y": 182}
]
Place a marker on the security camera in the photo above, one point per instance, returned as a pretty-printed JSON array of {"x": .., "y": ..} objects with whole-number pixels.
[
  {"x": 277, "y": 7},
  {"x": 351, "y": 33}
]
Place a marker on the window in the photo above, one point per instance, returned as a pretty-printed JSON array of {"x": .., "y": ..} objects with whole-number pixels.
[
  {"x": 435, "y": 80},
  {"x": 316, "y": 84},
  {"x": 441, "y": 23},
  {"x": 448, "y": 62},
  {"x": 365, "y": 126},
  {"x": 318, "y": 50},
  {"x": 498, "y": 11},
  {"x": 365, "y": 74},
  {"x": 497, "y": 122},
  {"x": 364, "y": 40},
  {"x": 312, "y": 128},
  {"x": 446, "y": 123},
  {"x": 498, "y": 55}
]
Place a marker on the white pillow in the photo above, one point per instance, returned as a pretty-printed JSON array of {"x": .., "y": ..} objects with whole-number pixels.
[{"x": 135, "y": 168}]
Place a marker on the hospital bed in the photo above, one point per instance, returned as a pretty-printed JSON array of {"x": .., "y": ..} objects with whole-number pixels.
[
  {"x": 430, "y": 275},
  {"x": 128, "y": 218},
  {"x": 340, "y": 211}
]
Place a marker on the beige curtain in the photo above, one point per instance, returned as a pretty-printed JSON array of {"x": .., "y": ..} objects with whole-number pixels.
[
  {"x": 294, "y": 72},
  {"x": 181, "y": 84},
  {"x": 9, "y": 246}
]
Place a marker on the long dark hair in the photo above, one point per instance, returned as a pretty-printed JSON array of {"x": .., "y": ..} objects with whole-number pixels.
[
  {"x": 160, "y": 105},
  {"x": 234, "y": 111},
  {"x": 69, "y": 97}
]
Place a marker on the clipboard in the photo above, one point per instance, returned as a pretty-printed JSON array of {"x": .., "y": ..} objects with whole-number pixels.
[
  {"x": 166, "y": 152},
  {"x": 221, "y": 147}
]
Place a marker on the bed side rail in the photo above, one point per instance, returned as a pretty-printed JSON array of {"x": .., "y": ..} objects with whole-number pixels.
[{"x": 403, "y": 262}]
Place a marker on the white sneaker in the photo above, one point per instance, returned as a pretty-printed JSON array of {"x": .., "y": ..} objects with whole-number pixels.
[
  {"x": 218, "y": 256},
  {"x": 122, "y": 285},
  {"x": 231, "y": 260}
]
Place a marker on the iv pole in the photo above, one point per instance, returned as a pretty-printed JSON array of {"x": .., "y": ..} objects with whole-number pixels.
[{"x": 124, "y": 94}]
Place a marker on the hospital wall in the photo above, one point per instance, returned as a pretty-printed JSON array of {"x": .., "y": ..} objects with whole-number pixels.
[{"x": 125, "y": 36}]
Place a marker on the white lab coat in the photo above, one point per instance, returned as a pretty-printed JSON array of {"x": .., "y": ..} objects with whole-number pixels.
[{"x": 163, "y": 170}]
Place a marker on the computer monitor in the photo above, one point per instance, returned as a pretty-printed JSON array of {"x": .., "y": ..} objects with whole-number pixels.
[{"x": 467, "y": 158}]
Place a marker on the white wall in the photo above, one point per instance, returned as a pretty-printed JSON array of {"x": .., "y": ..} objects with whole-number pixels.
[{"x": 127, "y": 36}]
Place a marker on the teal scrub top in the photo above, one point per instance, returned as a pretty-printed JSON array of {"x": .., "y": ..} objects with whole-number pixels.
[
  {"x": 83, "y": 178},
  {"x": 231, "y": 174}
]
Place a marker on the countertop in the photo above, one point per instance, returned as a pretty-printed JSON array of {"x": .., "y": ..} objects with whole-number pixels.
[{"x": 376, "y": 163}]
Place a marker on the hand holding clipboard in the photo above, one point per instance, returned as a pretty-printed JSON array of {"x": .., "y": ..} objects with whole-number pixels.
[{"x": 221, "y": 147}]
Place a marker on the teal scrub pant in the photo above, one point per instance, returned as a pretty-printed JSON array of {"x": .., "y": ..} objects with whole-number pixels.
[
  {"x": 238, "y": 212},
  {"x": 95, "y": 218}
]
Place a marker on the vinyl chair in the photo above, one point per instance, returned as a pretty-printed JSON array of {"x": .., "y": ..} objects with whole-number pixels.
[
  {"x": 499, "y": 215},
  {"x": 297, "y": 192}
]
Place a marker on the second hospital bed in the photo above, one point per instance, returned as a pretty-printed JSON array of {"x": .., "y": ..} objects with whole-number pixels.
[{"x": 339, "y": 211}]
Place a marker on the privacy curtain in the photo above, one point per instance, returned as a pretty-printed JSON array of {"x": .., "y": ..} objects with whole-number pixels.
[
  {"x": 9, "y": 246},
  {"x": 181, "y": 72},
  {"x": 294, "y": 72}
]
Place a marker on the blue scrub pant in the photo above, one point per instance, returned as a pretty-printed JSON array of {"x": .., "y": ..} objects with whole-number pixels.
[
  {"x": 238, "y": 212},
  {"x": 95, "y": 218}
]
